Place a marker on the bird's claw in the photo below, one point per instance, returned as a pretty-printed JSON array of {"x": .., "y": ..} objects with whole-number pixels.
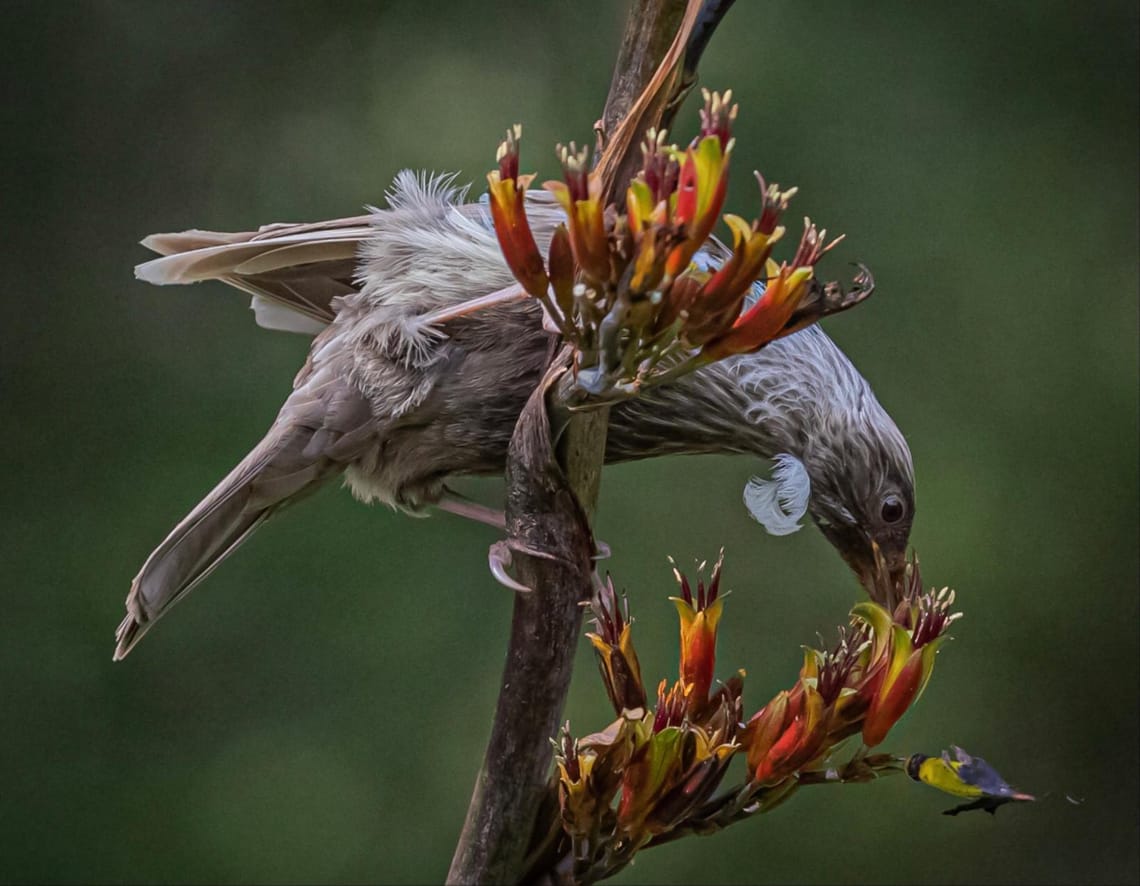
[{"x": 499, "y": 559}]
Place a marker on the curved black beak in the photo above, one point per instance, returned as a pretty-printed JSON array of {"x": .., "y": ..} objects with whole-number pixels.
[
  {"x": 880, "y": 570},
  {"x": 884, "y": 577}
]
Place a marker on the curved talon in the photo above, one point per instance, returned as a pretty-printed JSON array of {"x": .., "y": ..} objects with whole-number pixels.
[
  {"x": 601, "y": 550},
  {"x": 499, "y": 560}
]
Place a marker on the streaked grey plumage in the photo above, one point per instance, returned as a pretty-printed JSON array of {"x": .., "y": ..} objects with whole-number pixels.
[{"x": 398, "y": 405}]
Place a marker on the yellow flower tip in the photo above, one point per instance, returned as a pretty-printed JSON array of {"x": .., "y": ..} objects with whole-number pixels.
[
  {"x": 502, "y": 191},
  {"x": 798, "y": 277},
  {"x": 685, "y": 610},
  {"x": 586, "y": 761},
  {"x": 713, "y": 612},
  {"x": 574, "y": 771},
  {"x": 741, "y": 229},
  {"x": 810, "y": 669}
]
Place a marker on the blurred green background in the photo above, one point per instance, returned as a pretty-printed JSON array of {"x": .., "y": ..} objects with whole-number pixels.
[{"x": 317, "y": 711}]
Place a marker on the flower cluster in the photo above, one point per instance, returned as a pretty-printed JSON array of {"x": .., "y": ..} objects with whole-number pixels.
[
  {"x": 864, "y": 684},
  {"x": 620, "y": 280},
  {"x": 650, "y": 769},
  {"x": 655, "y": 771}
]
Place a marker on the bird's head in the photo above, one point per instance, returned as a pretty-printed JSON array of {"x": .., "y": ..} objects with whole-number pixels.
[
  {"x": 863, "y": 499},
  {"x": 848, "y": 466}
]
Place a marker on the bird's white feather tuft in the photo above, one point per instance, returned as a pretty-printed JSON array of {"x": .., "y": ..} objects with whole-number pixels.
[
  {"x": 415, "y": 189},
  {"x": 425, "y": 252},
  {"x": 273, "y": 315},
  {"x": 779, "y": 503}
]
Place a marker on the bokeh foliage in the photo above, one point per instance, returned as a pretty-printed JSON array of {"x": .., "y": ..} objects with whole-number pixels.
[{"x": 317, "y": 710}]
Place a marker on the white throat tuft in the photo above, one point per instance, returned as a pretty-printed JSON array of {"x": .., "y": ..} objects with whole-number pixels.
[{"x": 779, "y": 503}]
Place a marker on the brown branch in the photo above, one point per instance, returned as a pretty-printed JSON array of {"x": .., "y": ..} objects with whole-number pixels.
[
  {"x": 548, "y": 527},
  {"x": 646, "y": 77},
  {"x": 549, "y": 499}
]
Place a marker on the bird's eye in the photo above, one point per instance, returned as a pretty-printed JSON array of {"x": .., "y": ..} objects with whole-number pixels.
[{"x": 893, "y": 509}]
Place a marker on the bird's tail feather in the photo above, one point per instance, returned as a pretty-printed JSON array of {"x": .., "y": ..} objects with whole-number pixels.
[{"x": 277, "y": 471}]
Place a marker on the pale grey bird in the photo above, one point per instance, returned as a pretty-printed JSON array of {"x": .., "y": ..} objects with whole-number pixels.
[{"x": 406, "y": 386}]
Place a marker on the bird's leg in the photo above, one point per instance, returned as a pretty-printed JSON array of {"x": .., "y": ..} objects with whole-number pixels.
[
  {"x": 503, "y": 296},
  {"x": 454, "y": 503},
  {"x": 499, "y": 554}
]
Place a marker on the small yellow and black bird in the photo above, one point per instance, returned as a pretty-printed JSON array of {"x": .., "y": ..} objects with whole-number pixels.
[{"x": 964, "y": 776}]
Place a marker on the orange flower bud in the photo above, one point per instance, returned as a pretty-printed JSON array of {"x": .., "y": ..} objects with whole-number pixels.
[
  {"x": 507, "y": 191},
  {"x": 699, "y": 615}
]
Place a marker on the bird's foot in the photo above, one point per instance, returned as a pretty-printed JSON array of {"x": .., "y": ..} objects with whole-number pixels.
[
  {"x": 499, "y": 555},
  {"x": 499, "y": 559}
]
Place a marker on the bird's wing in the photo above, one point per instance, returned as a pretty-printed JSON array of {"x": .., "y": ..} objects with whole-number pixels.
[{"x": 293, "y": 271}]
